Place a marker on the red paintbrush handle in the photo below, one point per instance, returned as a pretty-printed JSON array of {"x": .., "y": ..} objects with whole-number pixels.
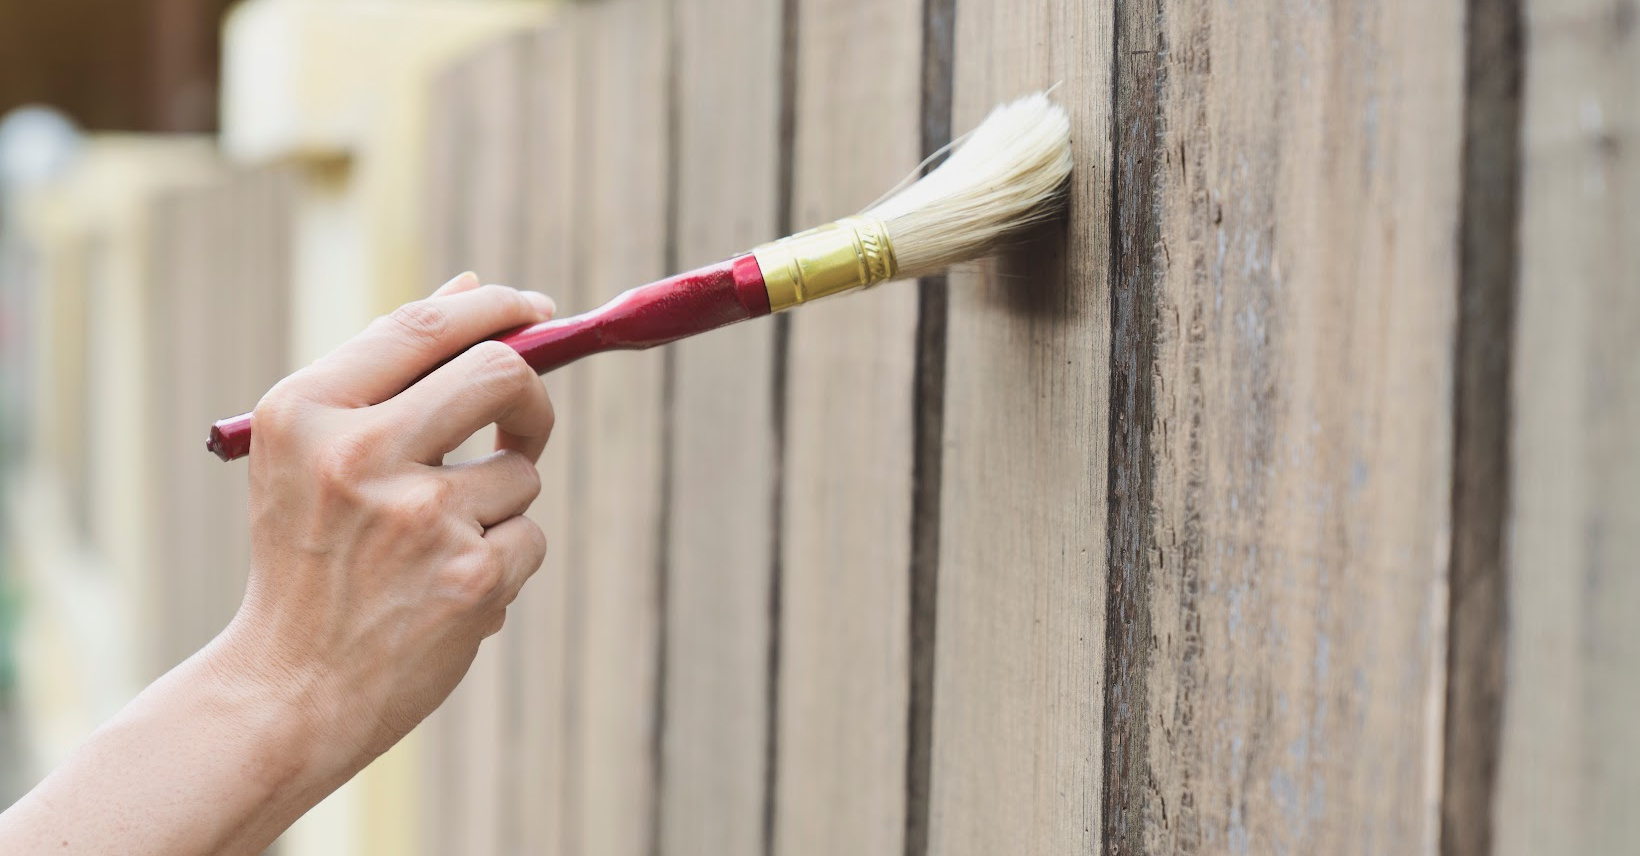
[
  {"x": 649, "y": 315},
  {"x": 643, "y": 317}
]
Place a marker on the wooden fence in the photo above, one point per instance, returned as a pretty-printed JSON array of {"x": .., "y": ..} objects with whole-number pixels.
[
  {"x": 215, "y": 329},
  {"x": 1279, "y": 499}
]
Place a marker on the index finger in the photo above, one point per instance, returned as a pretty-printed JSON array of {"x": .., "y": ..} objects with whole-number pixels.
[
  {"x": 405, "y": 344},
  {"x": 488, "y": 384}
]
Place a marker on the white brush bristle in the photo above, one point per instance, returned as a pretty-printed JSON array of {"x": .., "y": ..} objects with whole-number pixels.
[{"x": 1006, "y": 174}]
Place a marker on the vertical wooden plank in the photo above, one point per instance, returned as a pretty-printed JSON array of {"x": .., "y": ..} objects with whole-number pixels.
[
  {"x": 540, "y": 620},
  {"x": 479, "y": 155},
  {"x": 264, "y": 305},
  {"x": 847, "y": 511},
  {"x": 447, "y": 772},
  {"x": 193, "y": 231},
  {"x": 167, "y": 312},
  {"x": 1302, "y": 428},
  {"x": 490, "y": 207},
  {"x": 200, "y": 533},
  {"x": 225, "y": 529},
  {"x": 62, "y": 419},
  {"x": 1477, "y": 580},
  {"x": 216, "y": 317},
  {"x": 621, "y": 198},
  {"x": 1569, "y": 776},
  {"x": 158, "y": 392},
  {"x": 241, "y": 241},
  {"x": 1019, "y": 660},
  {"x": 720, "y": 534},
  {"x": 1136, "y": 258}
]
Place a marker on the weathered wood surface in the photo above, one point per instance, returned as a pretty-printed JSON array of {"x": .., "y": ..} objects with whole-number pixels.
[
  {"x": 216, "y": 322},
  {"x": 1148, "y": 549},
  {"x": 190, "y": 373},
  {"x": 621, "y": 191},
  {"x": 1136, "y": 117},
  {"x": 847, "y": 523},
  {"x": 216, "y": 217},
  {"x": 1307, "y": 181},
  {"x": 539, "y": 621},
  {"x": 1569, "y": 774},
  {"x": 488, "y": 142},
  {"x": 177, "y": 332},
  {"x": 1481, "y": 486},
  {"x": 248, "y": 242},
  {"x": 1019, "y": 636},
  {"x": 445, "y": 823},
  {"x": 721, "y": 526},
  {"x": 479, "y": 215}
]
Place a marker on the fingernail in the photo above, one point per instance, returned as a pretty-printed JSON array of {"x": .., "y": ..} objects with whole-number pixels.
[
  {"x": 542, "y": 303},
  {"x": 456, "y": 282}
]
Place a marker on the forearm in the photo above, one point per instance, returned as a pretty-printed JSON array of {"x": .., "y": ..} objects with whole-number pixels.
[{"x": 207, "y": 760}]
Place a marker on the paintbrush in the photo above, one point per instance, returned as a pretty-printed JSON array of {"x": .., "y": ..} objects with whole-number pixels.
[{"x": 1005, "y": 174}]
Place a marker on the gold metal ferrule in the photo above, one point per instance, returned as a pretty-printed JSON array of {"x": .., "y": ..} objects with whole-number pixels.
[{"x": 853, "y": 252}]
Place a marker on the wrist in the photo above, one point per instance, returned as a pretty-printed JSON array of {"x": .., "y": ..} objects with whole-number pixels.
[
  {"x": 289, "y": 714},
  {"x": 214, "y": 757}
]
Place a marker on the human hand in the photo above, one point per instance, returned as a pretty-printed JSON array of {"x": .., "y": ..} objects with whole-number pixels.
[{"x": 376, "y": 570}]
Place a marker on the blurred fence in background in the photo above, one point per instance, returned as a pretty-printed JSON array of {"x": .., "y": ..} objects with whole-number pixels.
[{"x": 1282, "y": 498}]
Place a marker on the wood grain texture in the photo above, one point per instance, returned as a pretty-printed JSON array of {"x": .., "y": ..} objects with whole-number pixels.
[
  {"x": 847, "y": 523},
  {"x": 218, "y": 245},
  {"x": 247, "y": 246},
  {"x": 193, "y": 238},
  {"x": 721, "y": 529},
  {"x": 206, "y": 534},
  {"x": 497, "y": 762},
  {"x": 490, "y": 144},
  {"x": 1302, "y": 428},
  {"x": 176, "y": 330},
  {"x": 446, "y": 823},
  {"x": 1136, "y": 257},
  {"x": 1481, "y": 482},
  {"x": 621, "y": 200},
  {"x": 1019, "y": 666},
  {"x": 539, "y": 621},
  {"x": 1569, "y": 778},
  {"x": 216, "y": 318}
]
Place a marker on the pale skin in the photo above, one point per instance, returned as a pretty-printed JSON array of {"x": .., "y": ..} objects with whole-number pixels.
[{"x": 375, "y": 573}]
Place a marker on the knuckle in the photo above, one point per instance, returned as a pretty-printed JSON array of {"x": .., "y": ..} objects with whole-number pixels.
[
  {"x": 502, "y": 367},
  {"x": 522, "y": 472},
  {"x": 279, "y": 411},
  {"x": 538, "y": 544},
  {"x": 474, "y": 580},
  {"x": 343, "y": 462},
  {"x": 421, "y": 322},
  {"x": 420, "y": 507},
  {"x": 535, "y": 545}
]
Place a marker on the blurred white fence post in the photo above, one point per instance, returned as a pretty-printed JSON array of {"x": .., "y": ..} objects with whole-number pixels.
[{"x": 83, "y": 545}]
